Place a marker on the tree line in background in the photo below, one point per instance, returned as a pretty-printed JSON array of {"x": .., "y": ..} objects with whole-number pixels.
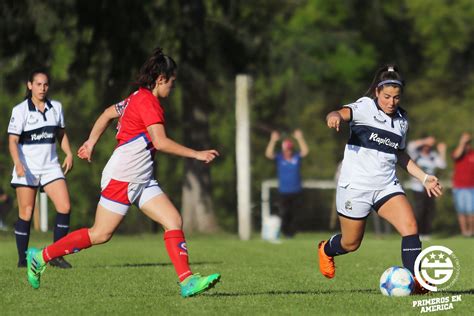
[{"x": 306, "y": 58}]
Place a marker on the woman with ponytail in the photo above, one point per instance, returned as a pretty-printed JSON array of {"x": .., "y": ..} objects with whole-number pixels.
[
  {"x": 128, "y": 176},
  {"x": 378, "y": 129}
]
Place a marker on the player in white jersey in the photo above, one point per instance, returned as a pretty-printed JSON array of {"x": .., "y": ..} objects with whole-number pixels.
[
  {"x": 368, "y": 180},
  {"x": 35, "y": 125}
]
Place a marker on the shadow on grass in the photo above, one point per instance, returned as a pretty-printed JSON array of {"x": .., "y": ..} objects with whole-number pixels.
[
  {"x": 330, "y": 292},
  {"x": 153, "y": 264},
  {"x": 315, "y": 292}
]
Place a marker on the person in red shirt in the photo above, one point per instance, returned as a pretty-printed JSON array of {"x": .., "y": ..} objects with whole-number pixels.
[
  {"x": 463, "y": 184},
  {"x": 128, "y": 177}
]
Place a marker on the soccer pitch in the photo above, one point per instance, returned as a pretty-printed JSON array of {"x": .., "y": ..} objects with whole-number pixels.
[{"x": 133, "y": 275}]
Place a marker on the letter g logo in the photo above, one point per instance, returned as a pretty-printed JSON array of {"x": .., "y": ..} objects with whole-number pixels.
[{"x": 435, "y": 266}]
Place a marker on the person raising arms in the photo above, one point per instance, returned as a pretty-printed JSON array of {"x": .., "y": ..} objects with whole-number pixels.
[
  {"x": 288, "y": 162},
  {"x": 377, "y": 141},
  {"x": 463, "y": 183},
  {"x": 128, "y": 177}
]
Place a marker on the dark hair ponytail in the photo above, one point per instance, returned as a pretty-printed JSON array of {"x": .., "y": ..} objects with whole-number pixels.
[
  {"x": 388, "y": 75},
  {"x": 31, "y": 78},
  {"x": 157, "y": 64}
]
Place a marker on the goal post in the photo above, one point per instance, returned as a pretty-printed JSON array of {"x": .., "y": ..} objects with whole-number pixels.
[
  {"x": 242, "y": 156},
  {"x": 267, "y": 185},
  {"x": 321, "y": 206},
  {"x": 270, "y": 224}
]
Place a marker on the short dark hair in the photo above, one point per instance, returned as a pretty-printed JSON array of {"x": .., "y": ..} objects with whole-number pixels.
[{"x": 157, "y": 64}]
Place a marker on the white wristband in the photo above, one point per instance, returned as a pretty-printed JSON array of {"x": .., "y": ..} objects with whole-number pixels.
[{"x": 426, "y": 178}]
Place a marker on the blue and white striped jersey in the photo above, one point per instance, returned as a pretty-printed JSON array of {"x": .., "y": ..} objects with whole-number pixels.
[{"x": 370, "y": 155}]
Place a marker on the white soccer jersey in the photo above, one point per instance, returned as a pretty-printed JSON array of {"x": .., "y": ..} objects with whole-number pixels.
[
  {"x": 370, "y": 155},
  {"x": 37, "y": 131}
]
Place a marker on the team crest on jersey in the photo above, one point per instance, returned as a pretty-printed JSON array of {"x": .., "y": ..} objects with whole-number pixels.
[
  {"x": 12, "y": 120},
  {"x": 348, "y": 205},
  {"x": 380, "y": 120},
  {"x": 54, "y": 111},
  {"x": 403, "y": 124},
  {"x": 32, "y": 120}
]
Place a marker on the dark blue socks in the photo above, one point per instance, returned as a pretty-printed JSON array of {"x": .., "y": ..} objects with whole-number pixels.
[
  {"x": 333, "y": 246},
  {"x": 411, "y": 248},
  {"x": 61, "y": 226},
  {"x": 22, "y": 235}
]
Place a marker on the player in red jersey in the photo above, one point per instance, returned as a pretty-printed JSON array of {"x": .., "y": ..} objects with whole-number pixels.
[{"x": 128, "y": 178}]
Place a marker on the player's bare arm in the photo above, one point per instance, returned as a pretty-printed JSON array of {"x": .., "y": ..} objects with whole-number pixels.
[
  {"x": 85, "y": 151},
  {"x": 162, "y": 143},
  {"x": 334, "y": 118},
  {"x": 63, "y": 140},
  {"x": 430, "y": 182},
  {"x": 13, "y": 141}
]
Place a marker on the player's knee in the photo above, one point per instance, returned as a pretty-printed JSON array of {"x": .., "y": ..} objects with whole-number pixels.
[
  {"x": 351, "y": 245},
  {"x": 99, "y": 237},
  {"x": 410, "y": 228},
  {"x": 25, "y": 212},
  {"x": 176, "y": 222},
  {"x": 64, "y": 208}
]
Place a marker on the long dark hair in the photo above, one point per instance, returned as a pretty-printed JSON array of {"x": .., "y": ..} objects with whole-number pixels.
[
  {"x": 388, "y": 75},
  {"x": 157, "y": 64},
  {"x": 32, "y": 76}
]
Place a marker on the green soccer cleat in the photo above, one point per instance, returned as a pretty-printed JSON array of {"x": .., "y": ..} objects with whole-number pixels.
[
  {"x": 35, "y": 266},
  {"x": 196, "y": 284}
]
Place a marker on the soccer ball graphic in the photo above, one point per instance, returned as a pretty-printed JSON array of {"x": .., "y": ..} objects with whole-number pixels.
[{"x": 396, "y": 281}]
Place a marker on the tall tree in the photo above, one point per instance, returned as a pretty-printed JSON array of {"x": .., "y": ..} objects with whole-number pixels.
[{"x": 197, "y": 207}]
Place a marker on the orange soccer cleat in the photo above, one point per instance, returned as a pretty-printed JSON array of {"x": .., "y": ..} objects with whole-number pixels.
[{"x": 326, "y": 263}]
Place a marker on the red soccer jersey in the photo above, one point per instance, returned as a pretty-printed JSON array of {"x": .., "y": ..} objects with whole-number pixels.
[
  {"x": 140, "y": 110},
  {"x": 464, "y": 171},
  {"x": 132, "y": 159}
]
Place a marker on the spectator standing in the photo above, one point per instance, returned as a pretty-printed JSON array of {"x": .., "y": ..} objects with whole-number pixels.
[
  {"x": 463, "y": 184},
  {"x": 423, "y": 153},
  {"x": 290, "y": 189}
]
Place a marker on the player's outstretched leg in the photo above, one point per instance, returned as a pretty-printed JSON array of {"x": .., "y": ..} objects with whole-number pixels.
[
  {"x": 35, "y": 266},
  {"x": 196, "y": 284}
]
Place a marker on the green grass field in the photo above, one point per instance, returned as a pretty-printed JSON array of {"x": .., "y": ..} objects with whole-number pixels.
[{"x": 133, "y": 275}]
